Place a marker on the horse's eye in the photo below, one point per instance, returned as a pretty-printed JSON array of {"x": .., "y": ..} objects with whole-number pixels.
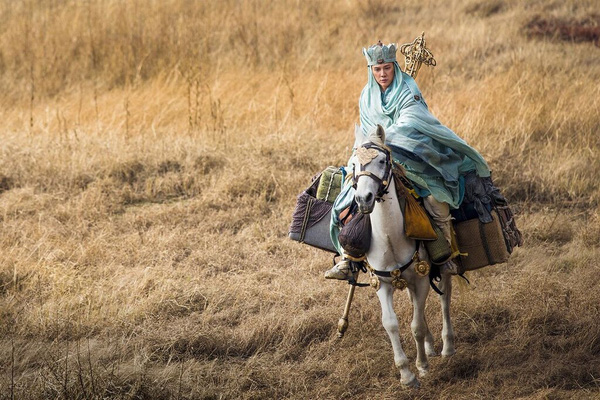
[{"x": 381, "y": 162}]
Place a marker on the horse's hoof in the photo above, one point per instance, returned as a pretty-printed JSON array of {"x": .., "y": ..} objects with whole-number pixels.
[
  {"x": 448, "y": 353},
  {"x": 413, "y": 383},
  {"x": 430, "y": 352},
  {"x": 423, "y": 373}
]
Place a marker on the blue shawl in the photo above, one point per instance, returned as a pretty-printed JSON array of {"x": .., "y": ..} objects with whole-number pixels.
[{"x": 434, "y": 157}]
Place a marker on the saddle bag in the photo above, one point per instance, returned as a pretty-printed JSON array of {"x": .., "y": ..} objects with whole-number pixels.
[
  {"x": 311, "y": 218},
  {"x": 482, "y": 243},
  {"x": 355, "y": 236},
  {"x": 512, "y": 235},
  {"x": 484, "y": 224},
  {"x": 439, "y": 250},
  {"x": 417, "y": 224}
]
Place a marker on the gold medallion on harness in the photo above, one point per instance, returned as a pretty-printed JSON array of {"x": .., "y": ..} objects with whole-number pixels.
[
  {"x": 399, "y": 283},
  {"x": 422, "y": 268},
  {"x": 374, "y": 282}
]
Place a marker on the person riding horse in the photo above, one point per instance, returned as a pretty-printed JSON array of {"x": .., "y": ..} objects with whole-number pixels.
[{"x": 435, "y": 159}]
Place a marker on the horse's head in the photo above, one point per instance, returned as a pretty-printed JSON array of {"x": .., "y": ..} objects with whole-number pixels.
[{"x": 372, "y": 162}]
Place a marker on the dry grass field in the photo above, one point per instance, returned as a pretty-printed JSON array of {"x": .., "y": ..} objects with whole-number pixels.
[{"x": 150, "y": 157}]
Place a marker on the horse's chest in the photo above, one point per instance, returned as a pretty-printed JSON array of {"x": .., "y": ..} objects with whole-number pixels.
[
  {"x": 389, "y": 247},
  {"x": 389, "y": 244}
]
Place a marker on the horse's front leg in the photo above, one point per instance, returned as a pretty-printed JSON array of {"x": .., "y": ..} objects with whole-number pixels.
[
  {"x": 447, "y": 329},
  {"x": 418, "y": 325},
  {"x": 429, "y": 342},
  {"x": 390, "y": 323}
]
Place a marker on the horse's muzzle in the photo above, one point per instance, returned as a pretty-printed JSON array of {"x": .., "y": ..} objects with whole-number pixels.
[{"x": 365, "y": 206}]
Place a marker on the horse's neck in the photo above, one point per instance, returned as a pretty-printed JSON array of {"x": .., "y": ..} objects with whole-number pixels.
[{"x": 389, "y": 246}]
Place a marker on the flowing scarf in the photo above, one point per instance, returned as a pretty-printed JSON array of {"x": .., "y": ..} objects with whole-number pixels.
[{"x": 434, "y": 157}]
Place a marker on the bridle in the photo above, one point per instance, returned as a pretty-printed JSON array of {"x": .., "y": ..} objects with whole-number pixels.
[{"x": 384, "y": 183}]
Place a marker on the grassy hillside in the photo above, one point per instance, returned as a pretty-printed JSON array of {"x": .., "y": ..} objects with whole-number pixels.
[{"x": 151, "y": 153}]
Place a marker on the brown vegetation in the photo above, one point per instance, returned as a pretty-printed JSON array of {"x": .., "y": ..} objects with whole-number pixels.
[
  {"x": 151, "y": 155},
  {"x": 584, "y": 30}
]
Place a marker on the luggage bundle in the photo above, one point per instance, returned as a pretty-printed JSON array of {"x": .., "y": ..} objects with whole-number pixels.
[
  {"x": 485, "y": 227},
  {"x": 480, "y": 244},
  {"x": 312, "y": 216}
]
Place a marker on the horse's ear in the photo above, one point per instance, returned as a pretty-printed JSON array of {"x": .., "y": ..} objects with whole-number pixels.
[
  {"x": 359, "y": 137},
  {"x": 380, "y": 133}
]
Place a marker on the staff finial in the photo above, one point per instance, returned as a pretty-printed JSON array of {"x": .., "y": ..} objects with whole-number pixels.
[{"x": 415, "y": 54}]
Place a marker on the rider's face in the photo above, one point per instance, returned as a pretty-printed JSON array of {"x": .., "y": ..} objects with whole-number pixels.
[{"x": 383, "y": 74}]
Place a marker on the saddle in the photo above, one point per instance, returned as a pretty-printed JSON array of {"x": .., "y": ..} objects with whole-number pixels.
[{"x": 355, "y": 235}]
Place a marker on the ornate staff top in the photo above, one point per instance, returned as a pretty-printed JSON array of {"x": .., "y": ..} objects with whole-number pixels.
[{"x": 415, "y": 54}]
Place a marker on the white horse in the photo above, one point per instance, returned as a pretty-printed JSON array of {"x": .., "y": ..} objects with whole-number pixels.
[{"x": 393, "y": 256}]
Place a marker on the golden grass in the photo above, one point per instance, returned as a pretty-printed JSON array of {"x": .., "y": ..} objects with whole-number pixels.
[{"x": 151, "y": 155}]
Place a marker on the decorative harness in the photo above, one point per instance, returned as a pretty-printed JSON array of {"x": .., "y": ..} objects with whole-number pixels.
[
  {"x": 365, "y": 154},
  {"x": 421, "y": 268}
]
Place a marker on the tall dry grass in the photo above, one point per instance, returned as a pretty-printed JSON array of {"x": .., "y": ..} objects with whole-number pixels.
[{"x": 151, "y": 155}]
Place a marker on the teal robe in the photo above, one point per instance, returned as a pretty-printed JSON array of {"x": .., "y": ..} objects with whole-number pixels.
[{"x": 434, "y": 157}]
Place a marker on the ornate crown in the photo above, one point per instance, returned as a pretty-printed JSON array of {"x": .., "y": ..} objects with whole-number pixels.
[{"x": 380, "y": 53}]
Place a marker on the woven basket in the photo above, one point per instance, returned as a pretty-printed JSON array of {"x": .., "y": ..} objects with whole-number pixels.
[{"x": 484, "y": 243}]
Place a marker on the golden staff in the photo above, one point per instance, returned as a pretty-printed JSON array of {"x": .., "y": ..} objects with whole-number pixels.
[{"x": 415, "y": 54}]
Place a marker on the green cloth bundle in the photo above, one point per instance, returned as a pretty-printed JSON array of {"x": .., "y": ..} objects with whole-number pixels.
[{"x": 330, "y": 184}]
